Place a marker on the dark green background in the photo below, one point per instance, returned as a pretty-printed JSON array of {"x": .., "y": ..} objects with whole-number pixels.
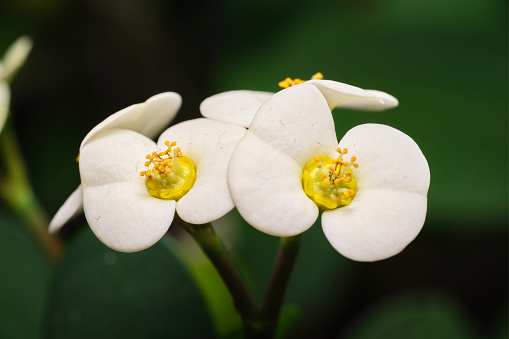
[{"x": 446, "y": 62}]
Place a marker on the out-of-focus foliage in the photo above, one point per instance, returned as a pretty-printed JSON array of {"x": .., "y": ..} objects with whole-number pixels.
[
  {"x": 24, "y": 282},
  {"x": 100, "y": 293},
  {"x": 412, "y": 314},
  {"x": 445, "y": 62}
]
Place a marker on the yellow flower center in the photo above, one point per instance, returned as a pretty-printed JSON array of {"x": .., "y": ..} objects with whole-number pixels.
[
  {"x": 289, "y": 82},
  {"x": 329, "y": 182},
  {"x": 170, "y": 174}
]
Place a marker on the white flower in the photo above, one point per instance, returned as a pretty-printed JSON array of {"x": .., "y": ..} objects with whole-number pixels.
[
  {"x": 239, "y": 107},
  {"x": 119, "y": 203},
  {"x": 148, "y": 118},
  {"x": 383, "y": 200},
  {"x": 13, "y": 59}
]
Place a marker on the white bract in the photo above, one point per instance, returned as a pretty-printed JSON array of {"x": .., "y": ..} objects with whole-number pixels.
[
  {"x": 287, "y": 168},
  {"x": 239, "y": 107},
  {"x": 13, "y": 59}
]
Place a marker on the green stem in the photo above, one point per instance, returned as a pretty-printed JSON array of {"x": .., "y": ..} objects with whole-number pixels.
[
  {"x": 280, "y": 277},
  {"x": 16, "y": 190},
  {"x": 258, "y": 322},
  {"x": 213, "y": 247}
]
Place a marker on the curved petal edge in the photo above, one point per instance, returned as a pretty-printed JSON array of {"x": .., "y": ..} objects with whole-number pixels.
[
  {"x": 234, "y": 107},
  {"x": 71, "y": 208},
  {"x": 378, "y": 224},
  {"x": 266, "y": 187},
  {"x": 340, "y": 95},
  {"x": 124, "y": 217},
  {"x": 148, "y": 118}
]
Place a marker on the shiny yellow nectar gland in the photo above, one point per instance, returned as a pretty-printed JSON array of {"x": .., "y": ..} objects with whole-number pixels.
[
  {"x": 170, "y": 174},
  {"x": 289, "y": 82},
  {"x": 330, "y": 182}
]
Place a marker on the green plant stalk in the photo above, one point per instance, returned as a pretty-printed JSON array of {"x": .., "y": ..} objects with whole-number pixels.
[
  {"x": 278, "y": 283},
  {"x": 16, "y": 190},
  {"x": 258, "y": 322},
  {"x": 214, "y": 249}
]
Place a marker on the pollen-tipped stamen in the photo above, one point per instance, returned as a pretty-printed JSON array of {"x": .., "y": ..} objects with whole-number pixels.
[
  {"x": 329, "y": 182},
  {"x": 289, "y": 82},
  {"x": 172, "y": 174}
]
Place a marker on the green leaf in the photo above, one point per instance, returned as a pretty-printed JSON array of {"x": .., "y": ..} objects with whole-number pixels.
[
  {"x": 412, "y": 315},
  {"x": 100, "y": 293},
  {"x": 25, "y": 279}
]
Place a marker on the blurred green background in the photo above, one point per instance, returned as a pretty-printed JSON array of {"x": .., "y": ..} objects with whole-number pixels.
[{"x": 446, "y": 62}]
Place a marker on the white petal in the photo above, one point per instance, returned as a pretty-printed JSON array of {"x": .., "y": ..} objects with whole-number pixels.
[
  {"x": 266, "y": 186},
  {"x": 115, "y": 156},
  {"x": 234, "y": 107},
  {"x": 387, "y": 159},
  {"x": 71, "y": 208},
  {"x": 376, "y": 225},
  {"x": 369, "y": 105},
  {"x": 342, "y": 95},
  {"x": 125, "y": 217},
  {"x": 148, "y": 118},
  {"x": 297, "y": 122},
  {"x": 15, "y": 57},
  {"x": 209, "y": 144},
  {"x": 5, "y": 98},
  {"x": 209, "y": 199}
]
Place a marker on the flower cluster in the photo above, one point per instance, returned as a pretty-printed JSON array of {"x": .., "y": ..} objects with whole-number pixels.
[{"x": 276, "y": 157}]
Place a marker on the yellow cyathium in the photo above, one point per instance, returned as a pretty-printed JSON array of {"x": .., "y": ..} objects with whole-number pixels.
[
  {"x": 172, "y": 174},
  {"x": 330, "y": 182}
]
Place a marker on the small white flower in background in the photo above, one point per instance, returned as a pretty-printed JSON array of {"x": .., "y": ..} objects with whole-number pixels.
[
  {"x": 372, "y": 187},
  {"x": 239, "y": 107},
  {"x": 132, "y": 186},
  {"x": 13, "y": 59}
]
